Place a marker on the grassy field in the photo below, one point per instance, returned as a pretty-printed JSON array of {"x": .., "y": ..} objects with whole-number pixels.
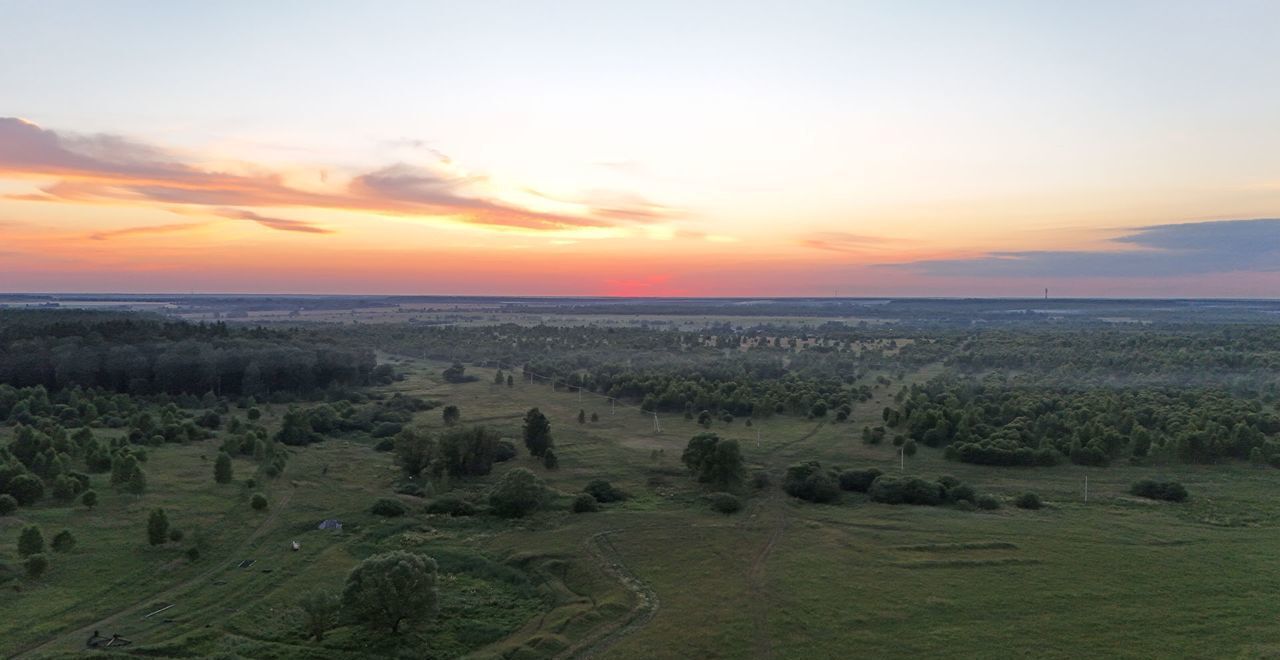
[{"x": 661, "y": 575}]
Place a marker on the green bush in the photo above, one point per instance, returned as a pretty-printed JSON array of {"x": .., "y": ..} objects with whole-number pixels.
[
  {"x": 905, "y": 490},
  {"x": 519, "y": 493},
  {"x": 1028, "y": 500},
  {"x": 809, "y": 481},
  {"x": 388, "y": 507},
  {"x": 988, "y": 502},
  {"x": 961, "y": 492},
  {"x": 726, "y": 503},
  {"x": 604, "y": 492},
  {"x": 1169, "y": 491},
  {"x": 36, "y": 565},
  {"x": 584, "y": 503},
  {"x": 258, "y": 502},
  {"x": 7, "y": 504},
  {"x": 858, "y": 480},
  {"x": 63, "y": 541},
  {"x": 30, "y": 541}
]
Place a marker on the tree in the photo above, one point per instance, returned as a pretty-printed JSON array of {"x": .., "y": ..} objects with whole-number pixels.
[
  {"x": 451, "y": 415},
  {"x": 7, "y": 504},
  {"x": 258, "y": 502},
  {"x": 510, "y": 381},
  {"x": 582, "y": 416},
  {"x": 584, "y": 503},
  {"x": 157, "y": 527},
  {"x": 467, "y": 452},
  {"x": 295, "y": 429},
  {"x": 595, "y": 417},
  {"x": 550, "y": 460},
  {"x": 320, "y": 612},
  {"x": 519, "y": 493},
  {"x": 415, "y": 449},
  {"x": 725, "y": 503},
  {"x": 497, "y": 377},
  {"x": 387, "y": 590},
  {"x": 809, "y": 481},
  {"x": 456, "y": 373},
  {"x": 27, "y": 489},
  {"x": 36, "y": 565},
  {"x": 63, "y": 541},
  {"x": 713, "y": 461},
  {"x": 127, "y": 474},
  {"x": 1028, "y": 500},
  {"x": 222, "y": 468},
  {"x": 89, "y": 499},
  {"x": 30, "y": 541},
  {"x": 537, "y": 432}
]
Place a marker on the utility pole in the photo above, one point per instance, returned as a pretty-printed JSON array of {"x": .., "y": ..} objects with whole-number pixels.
[
  {"x": 657, "y": 428},
  {"x": 902, "y": 459},
  {"x": 757, "y": 437},
  {"x": 1086, "y": 488}
]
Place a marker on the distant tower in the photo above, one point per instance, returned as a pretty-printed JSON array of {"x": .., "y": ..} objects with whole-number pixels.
[{"x": 1046, "y": 293}]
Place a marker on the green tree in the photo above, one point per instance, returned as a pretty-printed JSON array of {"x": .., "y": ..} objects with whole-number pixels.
[
  {"x": 519, "y": 493},
  {"x": 388, "y": 590},
  {"x": 89, "y": 499},
  {"x": 550, "y": 460},
  {"x": 467, "y": 452},
  {"x": 222, "y": 468},
  {"x": 713, "y": 461},
  {"x": 30, "y": 541},
  {"x": 7, "y": 504},
  {"x": 295, "y": 429},
  {"x": 510, "y": 381},
  {"x": 258, "y": 502},
  {"x": 537, "y": 432},
  {"x": 451, "y": 415},
  {"x": 157, "y": 527},
  {"x": 582, "y": 416},
  {"x": 497, "y": 377},
  {"x": 320, "y": 612},
  {"x": 415, "y": 450}
]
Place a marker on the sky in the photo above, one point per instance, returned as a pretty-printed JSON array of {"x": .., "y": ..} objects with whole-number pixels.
[{"x": 896, "y": 148}]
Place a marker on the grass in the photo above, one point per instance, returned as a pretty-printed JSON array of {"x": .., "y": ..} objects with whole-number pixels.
[{"x": 1116, "y": 576}]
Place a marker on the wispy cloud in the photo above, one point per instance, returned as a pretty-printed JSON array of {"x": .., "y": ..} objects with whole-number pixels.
[
  {"x": 148, "y": 229},
  {"x": 111, "y": 168},
  {"x": 838, "y": 241},
  {"x": 1198, "y": 248}
]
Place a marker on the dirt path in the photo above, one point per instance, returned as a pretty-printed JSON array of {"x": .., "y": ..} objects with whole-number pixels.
[
  {"x": 647, "y": 604},
  {"x": 108, "y": 622},
  {"x": 756, "y": 579}
]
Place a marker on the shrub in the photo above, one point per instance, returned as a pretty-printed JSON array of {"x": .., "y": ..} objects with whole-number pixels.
[
  {"x": 320, "y": 610},
  {"x": 726, "y": 503},
  {"x": 909, "y": 448},
  {"x": 89, "y": 499},
  {"x": 966, "y": 505},
  {"x": 858, "y": 480},
  {"x": 962, "y": 493},
  {"x": 584, "y": 503},
  {"x": 157, "y": 527},
  {"x": 505, "y": 451},
  {"x": 905, "y": 490},
  {"x": 222, "y": 468},
  {"x": 30, "y": 541},
  {"x": 63, "y": 541},
  {"x": 519, "y": 493},
  {"x": 467, "y": 452},
  {"x": 7, "y": 504},
  {"x": 760, "y": 479},
  {"x": 1169, "y": 491},
  {"x": 258, "y": 502},
  {"x": 389, "y": 508},
  {"x": 450, "y": 415},
  {"x": 1028, "y": 500},
  {"x": 550, "y": 460},
  {"x": 175, "y": 535},
  {"x": 988, "y": 502},
  {"x": 385, "y": 444},
  {"x": 604, "y": 492},
  {"x": 36, "y": 565},
  {"x": 193, "y": 553},
  {"x": 809, "y": 481},
  {"x": 452, "y": 506}
]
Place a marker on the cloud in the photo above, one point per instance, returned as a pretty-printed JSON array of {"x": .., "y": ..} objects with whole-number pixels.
[
  {"x": 280, "y": 224},
  {"x": 149, "y": 229},
  {"x": 106, "y": 168},
  {"x": 838, "y": 241},
  {"x": 1172, "y": 250}
]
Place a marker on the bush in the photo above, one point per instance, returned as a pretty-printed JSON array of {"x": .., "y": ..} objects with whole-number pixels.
[
  {"x": 726, "y": 503},
  {"x": 385, "y": 444},
  {"x": 909, "y": 448},
  {"x": 157, "y": 527},
  {"x": 604, "y": 492},
  {"x": 519, "y": 493},
  {"x": 452, "y": 506},
  {"x": 36, "y": 565},
  {"x": 175, "y": 535},
  {"x": 1028, "y": 500},
  {"x": 467, "y": 452},
  {"x": 760, "y": 480},
  {"x": 809, "y": 481},
  {"x": 389, "y": 508},
  {"x": 858, "y": 480},
  {"x": 63, "y": 541},
  {"x": 550, "y": 460},
  {"x": 961, "y": 493},
  {"x": 258, "y": 502},
  {"x": 1168, "y": 491},
  {"x": 7, "y": 504},
  {"x": 222, "y": 468},
  {"x": 193, "y": 553},
  {"x": 505, "y": 451},
  {"x": 988, "y": 502},
  {"x": 905, "y": 490},
  {"x": 30, "y": 541},
  {"x": 89, "y": 499},
  {"x": 584, "y": 503}
]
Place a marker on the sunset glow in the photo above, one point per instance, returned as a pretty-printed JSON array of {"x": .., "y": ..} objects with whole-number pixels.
[{"x": 816, "y": 149}]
